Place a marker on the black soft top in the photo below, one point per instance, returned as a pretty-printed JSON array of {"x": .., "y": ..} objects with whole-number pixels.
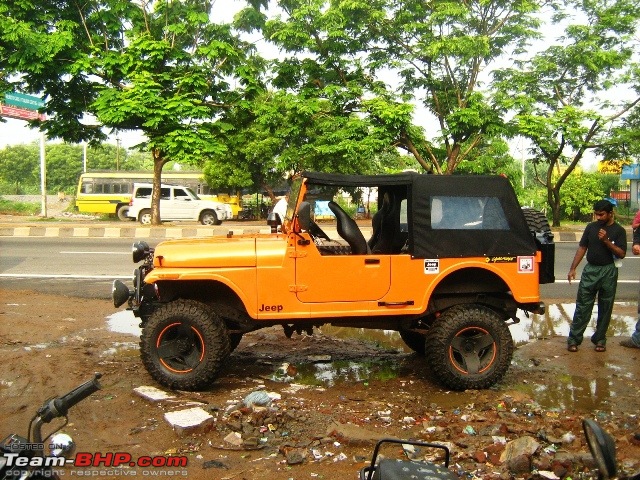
[
  {"x": 508, "y": 236},
  {"x": 339, "y": 180}
]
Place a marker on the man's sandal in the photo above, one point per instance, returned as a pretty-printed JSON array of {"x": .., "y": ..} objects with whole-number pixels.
[
  {"x": 601, "y": 348},
  {"x": 572, "y": 348}
]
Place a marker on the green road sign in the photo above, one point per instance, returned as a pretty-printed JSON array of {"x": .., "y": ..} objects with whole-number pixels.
[{"x": 23, "y": 101}]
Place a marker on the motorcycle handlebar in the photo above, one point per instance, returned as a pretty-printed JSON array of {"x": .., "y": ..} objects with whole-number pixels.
[{"x": 58, "y": 407}]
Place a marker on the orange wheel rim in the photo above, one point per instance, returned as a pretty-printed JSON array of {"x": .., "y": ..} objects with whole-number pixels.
[
  {"x": 452, "y": 351},
  {"x": 200, "y": 343}
]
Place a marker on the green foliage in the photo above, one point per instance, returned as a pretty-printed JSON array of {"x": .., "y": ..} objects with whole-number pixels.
[
  {"x": 10, "y": 207},
  {"x": 560, "y": 97},
  {"x": 20, "y": 167},
  {"x": 203, "y": 98},
  {"x": 580, "y": 193}
]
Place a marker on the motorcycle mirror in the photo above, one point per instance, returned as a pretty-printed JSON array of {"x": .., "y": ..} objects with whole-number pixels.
[
  {"x": 61, "y": 445},
  {"x": 304, "y": 215},
  {"x": 602, "y": 446}
]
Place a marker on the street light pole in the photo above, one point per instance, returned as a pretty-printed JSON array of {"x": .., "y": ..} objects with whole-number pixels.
[{"x": 117, "y": 153}]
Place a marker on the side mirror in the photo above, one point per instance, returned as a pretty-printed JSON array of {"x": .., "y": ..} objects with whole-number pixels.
[
  {"x": 602, "y": 447},
  {"x": 304, "y": 216}
]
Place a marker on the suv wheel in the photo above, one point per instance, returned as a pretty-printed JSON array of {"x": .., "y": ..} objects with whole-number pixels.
[
  {"x": 469, "y": 347},
  {"x": 145, "y": 217},
  {"x": 415, "y": 341},
  {"x": 184, "y": 345},
  {"x": 122, "y": 213},
  {"x": 209, "y": 217}
]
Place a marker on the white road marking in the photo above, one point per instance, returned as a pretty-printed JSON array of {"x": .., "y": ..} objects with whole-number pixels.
[{"x": 95, "y": 253}]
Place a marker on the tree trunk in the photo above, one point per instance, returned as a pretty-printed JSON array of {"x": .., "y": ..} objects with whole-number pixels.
[{"x": 158, "y": 163}]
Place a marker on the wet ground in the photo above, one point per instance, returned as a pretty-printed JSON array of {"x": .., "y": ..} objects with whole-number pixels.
[{"x": 334, "y": 394}]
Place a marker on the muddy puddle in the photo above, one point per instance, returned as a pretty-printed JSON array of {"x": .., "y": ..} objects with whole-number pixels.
[{"x": 563, "y": 392}]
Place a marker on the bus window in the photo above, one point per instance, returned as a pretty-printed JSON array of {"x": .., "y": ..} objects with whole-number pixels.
[{"x": 87, "y": 186}]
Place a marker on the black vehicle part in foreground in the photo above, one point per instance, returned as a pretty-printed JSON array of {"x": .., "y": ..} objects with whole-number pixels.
[
  {"x": 601, "y": 444},
  {"x": 59, "y": 445}
]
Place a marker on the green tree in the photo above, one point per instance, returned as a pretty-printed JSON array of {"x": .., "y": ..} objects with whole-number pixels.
[
  {"x": 20, "y": 166},
  {"x": 163, "y": 68},
  {"x": 581, "y": 192},
  {"x": 440, "y": 50},
  {"x": 560, "y": 95},
  {"x": 322, "y": 109}
]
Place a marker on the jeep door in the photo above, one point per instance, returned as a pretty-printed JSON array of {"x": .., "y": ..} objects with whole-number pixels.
[{"x": 340, "y": 278}]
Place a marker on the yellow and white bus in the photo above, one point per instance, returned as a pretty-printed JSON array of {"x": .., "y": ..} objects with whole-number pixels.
[{"x": 109, "y": 192}]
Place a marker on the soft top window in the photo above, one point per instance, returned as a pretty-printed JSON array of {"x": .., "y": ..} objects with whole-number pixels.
[{"x": 467, "y": 213}]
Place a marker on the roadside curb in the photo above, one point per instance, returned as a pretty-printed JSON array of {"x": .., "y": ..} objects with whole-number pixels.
[
  {"x": 121, "y": 232},
  {"x": 164, "y": 232}
]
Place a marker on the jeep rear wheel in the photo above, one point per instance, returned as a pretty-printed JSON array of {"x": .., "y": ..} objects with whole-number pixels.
[
  {"x": 469, "y": 347},
  {"x": 415, "y": 341},
  {"x": 184, "y": 345},
  {"x": 145, "y": 217},
  {"x": 209, "y": 217}
]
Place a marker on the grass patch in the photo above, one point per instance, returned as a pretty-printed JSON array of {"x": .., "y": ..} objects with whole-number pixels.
[{"x": 9, "y": 207}]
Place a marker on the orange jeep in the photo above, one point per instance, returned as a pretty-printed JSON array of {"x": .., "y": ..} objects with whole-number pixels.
[{"x": 449, "y": 262}]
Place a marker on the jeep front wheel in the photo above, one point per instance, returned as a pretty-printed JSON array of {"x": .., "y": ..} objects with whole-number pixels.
[
  {"x": 184, "y": 344},
  {"x": 469, "y": 347}
]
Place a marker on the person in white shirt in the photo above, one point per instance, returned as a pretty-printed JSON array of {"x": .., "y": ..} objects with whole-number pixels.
[{"x": 281, "y": 207}]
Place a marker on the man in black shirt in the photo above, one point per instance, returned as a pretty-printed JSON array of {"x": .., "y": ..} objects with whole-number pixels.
[{"x": 602, "y": 240}]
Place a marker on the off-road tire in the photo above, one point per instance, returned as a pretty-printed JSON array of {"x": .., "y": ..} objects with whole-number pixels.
[
  {"x": 536, "y": 220},
  {"x": 122, "y": 213},
  {"x": 184, "y": 344},
  {"x": 469, "y": 347},
  {"x": 144, "y": 217},
  {"x": 415, "y": 341},
  {"x": 209, "y": 217}
]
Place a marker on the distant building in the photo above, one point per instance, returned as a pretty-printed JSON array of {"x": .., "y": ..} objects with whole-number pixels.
[{"x": 632, "y": 173}]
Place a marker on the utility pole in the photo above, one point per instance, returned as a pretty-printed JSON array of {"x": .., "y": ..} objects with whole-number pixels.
[{"x": 117, "y": 153}]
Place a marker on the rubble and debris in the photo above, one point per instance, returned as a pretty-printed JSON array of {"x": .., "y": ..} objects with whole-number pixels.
[{"x": 190, "y": 420}]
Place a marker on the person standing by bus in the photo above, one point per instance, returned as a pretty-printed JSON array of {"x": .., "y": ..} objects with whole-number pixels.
[{"x": 603, "y": 241}]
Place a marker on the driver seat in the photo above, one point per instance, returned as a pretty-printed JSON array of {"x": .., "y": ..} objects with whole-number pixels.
[{"x": 349, "y": 230}]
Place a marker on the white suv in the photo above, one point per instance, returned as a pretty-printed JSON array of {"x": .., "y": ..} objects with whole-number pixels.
[{"x": 177, "y": 202}]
